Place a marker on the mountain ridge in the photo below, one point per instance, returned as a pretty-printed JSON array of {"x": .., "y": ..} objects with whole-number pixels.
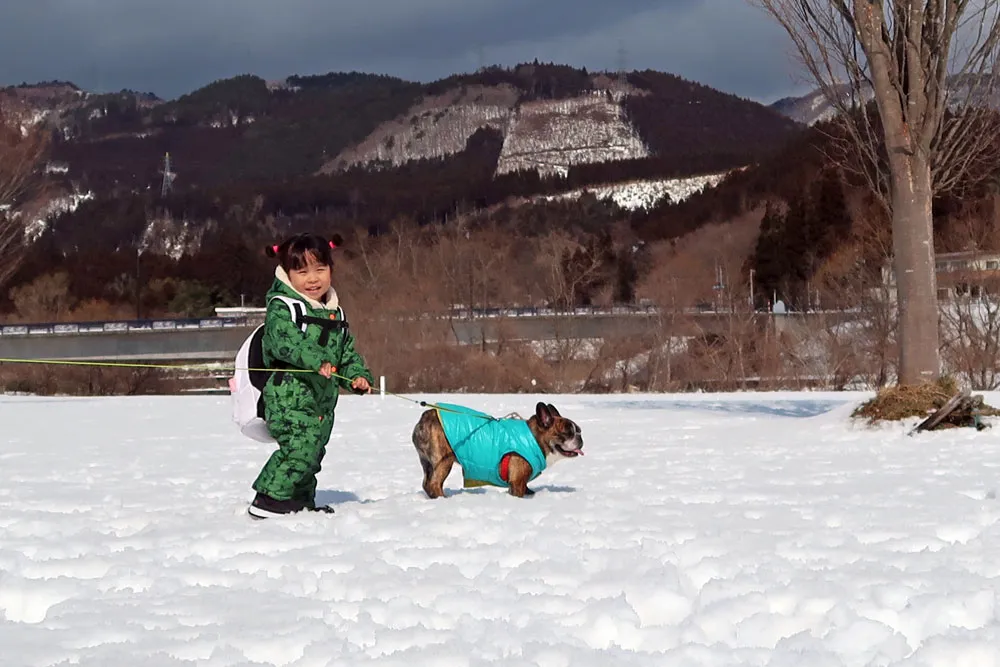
[
  {"x": 564, "y": 151},
  {"x": 247, "y": 128}
]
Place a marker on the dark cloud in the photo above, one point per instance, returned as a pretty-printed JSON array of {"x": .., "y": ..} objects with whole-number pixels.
[{"x": 174, "y": 46}]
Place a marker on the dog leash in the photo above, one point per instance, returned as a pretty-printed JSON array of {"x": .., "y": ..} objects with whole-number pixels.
[
  {"x": 122, "y": 364},
  {"x": 427, "y": 404},
  {"x": 209, "y": 367}
]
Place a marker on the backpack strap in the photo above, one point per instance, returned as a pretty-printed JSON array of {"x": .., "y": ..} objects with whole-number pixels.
[
  {"x": 327, "y": 325},
  {"x": 299, "y": 317},
  {"x": 296, "y": 308}
]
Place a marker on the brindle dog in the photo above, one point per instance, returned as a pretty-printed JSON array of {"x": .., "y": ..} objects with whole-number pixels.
[{"x": 558, "y": 438}]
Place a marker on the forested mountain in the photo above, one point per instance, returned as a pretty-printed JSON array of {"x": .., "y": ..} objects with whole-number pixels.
[{"x": 509, "y": 148}]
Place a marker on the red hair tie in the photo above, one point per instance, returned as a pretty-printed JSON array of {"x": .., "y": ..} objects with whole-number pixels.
[
  {"x": 332, "y": 244},
  {"x": 275, "y": 249}
]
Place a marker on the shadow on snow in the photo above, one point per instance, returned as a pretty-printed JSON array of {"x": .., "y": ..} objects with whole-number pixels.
[{"x": 774, "y": 408}]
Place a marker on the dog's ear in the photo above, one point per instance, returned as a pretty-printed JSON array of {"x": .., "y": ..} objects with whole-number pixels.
[
  {"x": 543, "y": 414},
  {"x": 552, "y": 409}
]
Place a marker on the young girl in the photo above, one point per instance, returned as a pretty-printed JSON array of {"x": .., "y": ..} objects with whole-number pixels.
[{"x": 299, "y": 407}]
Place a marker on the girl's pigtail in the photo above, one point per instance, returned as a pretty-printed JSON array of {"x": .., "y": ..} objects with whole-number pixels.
[
  {"x": 271, "y": 251},
  {"x": 336, "y": 241}
]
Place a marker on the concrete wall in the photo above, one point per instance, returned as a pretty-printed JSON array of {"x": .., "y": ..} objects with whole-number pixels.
[
  {"x": 194, "y": 345},
  {"x": 221, "y": 344}
]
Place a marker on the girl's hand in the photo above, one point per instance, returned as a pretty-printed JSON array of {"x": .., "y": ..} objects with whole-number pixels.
[
  {"x": 361, "y": 385},
  {"x": 327, "y": 369}
]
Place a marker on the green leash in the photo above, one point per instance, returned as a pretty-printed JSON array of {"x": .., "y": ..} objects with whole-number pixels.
[{"x": 205, "y": 367}]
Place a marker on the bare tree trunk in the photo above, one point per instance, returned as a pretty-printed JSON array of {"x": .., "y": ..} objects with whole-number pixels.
[
  {"x": 913, "y": 264},
  {"x": 897, "y": 82}
]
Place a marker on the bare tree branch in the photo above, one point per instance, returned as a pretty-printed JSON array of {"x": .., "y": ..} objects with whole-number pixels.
[{"x": 22, "y": 149}]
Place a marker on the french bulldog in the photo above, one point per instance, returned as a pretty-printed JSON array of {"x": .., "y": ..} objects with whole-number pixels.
[{"x": 500, "y": 452}]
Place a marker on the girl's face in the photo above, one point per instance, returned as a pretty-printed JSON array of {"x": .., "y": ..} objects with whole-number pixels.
[{"x": 313, "y": 279}]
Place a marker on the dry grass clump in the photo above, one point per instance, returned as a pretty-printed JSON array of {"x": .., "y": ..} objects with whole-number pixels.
[{"x": 903, "y": 402}]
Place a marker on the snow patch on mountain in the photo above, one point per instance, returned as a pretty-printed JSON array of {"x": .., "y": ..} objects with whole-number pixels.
[
  {"x": 172, "y": 237},
  {"x": 435, "y": 127},
  {"x": 550, "y": 136},
  {"x": 38, "y": 223},
  {"x": 646, "y": 194}
]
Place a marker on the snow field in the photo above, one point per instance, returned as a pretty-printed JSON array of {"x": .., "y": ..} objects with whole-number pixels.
[{"x": 742, "y": 529}]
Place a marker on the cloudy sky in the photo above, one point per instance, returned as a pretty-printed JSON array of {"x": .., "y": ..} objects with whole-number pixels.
[{"x": 174, "y": 46}]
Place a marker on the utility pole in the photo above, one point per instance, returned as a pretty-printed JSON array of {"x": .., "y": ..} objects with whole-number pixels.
[
  {"x": 719, "y": 285},
  {"x": 138, "y": 285}
]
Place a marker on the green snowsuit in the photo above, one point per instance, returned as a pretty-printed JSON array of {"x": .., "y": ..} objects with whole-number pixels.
[{"x": 299, "y": 407}]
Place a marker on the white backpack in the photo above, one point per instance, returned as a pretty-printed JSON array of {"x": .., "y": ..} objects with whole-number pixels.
[{"x": 245, "y": 386}]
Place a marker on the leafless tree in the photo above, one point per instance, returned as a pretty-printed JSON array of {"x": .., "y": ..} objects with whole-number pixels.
[
  {"x": 563, "y": 281},
  {"x": 970, "y": 344},
  {"x": 46, "y": 298},
  {"x": 22, "y": 150},
  {"x": 567, "y": 354},
  {"x": 732, "y": 337},
  {"x": 929, "y": 65},
  {"x": 392, "y": 297},
  {"x": 455, "y": 263},
  {"x": 858, "y": 338},
  {"x": 698, "y": 279},
  {"x": 619, "y": 362},
  {"x": 669, "y": 325}
]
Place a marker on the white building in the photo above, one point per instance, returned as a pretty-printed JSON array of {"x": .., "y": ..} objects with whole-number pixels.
[{"x": 959, "y": 274}]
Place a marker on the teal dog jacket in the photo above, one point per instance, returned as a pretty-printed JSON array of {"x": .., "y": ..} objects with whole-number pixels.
[{"x": 481, "y": 442}]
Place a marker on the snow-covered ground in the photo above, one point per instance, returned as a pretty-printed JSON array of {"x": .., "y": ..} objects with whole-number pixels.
[{"x": 702, "y": 530}]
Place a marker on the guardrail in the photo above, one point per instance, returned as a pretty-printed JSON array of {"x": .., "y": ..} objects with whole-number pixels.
[
  {"x": 237, "y": 321},
  {"x": 124, "y": 326},
  {"x": 527, "y": 311},
  {"x": 139, "y": 326}
]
